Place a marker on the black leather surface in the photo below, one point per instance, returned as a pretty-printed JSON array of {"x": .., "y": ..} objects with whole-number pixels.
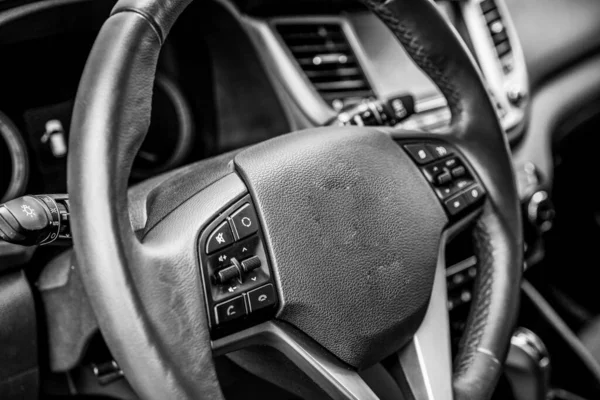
[
  {"x": 435, "y": 48},
  {"x": 354, "y": 231},
  {"x": 491, "y": 319},
  {"x": 158, "y": 196},
  {"x": 160, "y": 14},
  {"x": 151, "y": 314}
]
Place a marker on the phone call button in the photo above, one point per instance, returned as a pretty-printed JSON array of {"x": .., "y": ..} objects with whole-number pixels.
[
  {"x": 230, "y": 310},
  {"x": 262, "y": 297}
]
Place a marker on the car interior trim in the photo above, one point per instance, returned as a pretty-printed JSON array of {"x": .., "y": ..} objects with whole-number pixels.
[
  {"x": 426, "y": 361},
  {"x": 168, "y": 139},
  {"x": 348, "y": 31},
  {"x": 573, "y": 88},
  {"x": 310, "y": 102},
  {"x": 461, "y": 266},
  {"x": 500, "y": 83},
  {"x": 275, "y": 55},
  {"x": 562, "y": 328}
]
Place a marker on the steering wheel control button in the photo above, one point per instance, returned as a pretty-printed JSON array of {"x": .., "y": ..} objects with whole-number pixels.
[
  {"x": 261, "y": 298},
  {"x": 449, "y": 175},
  {"x": 458, "y": 172},
  {"x": 439, "y": 150},
  {"x": 433, "y": 170},
  {"x": 221, "y": 237},
  {"x": 473, "y": 194},
  {"x": 230, "y": 310},
  {"x": 244, "y": 221},
  {"x": 443, "y": 178},
  {"x": 452, "y": 163},
  {"x": 251, "y": 264},
  {"x": 240, "y": 250},
  {"x": 456, "y": 204},
  {"x": 446, "y": 191},
  {"x": 450, "y": 190},
  {"x": 445, "y": 171},
  {"x": 420, "y": 153},
  {"x": 227, "y": 274},
  {"x": 235, "y": 269},
  {"x": 462, "y": 183}
]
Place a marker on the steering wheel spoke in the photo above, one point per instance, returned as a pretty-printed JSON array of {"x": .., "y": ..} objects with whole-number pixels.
[
  {"x": 426, "y": 362},
  {"x": 336, "y": 378},
  {"x": 423, "y": 366}
]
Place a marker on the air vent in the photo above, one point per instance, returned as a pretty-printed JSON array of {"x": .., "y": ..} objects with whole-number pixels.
[
  {"x": 497, "y": 29},
  {"x": 324, "y": 54}
]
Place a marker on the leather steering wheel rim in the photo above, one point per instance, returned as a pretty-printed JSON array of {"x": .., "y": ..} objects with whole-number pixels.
[{"x": 110, "y": 120}]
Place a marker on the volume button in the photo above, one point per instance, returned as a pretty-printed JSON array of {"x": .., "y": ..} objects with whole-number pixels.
[
  {"x": 250, "y": 264},
  {"x": 227, "y": 274}
]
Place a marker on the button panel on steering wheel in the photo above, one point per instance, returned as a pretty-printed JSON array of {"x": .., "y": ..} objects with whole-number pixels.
[
  {"x": 449, "y": 175},
  {"x": 238, "y": 284}
]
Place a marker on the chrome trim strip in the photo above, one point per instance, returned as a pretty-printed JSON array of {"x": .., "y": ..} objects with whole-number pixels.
[
  {"x": 429, "y": 104},
  {"x": 427, "y": 360},
  {"x": 485, "y": 51},
  {"x": 461, "y": 266},
  {"x": 488, "y": 353}
]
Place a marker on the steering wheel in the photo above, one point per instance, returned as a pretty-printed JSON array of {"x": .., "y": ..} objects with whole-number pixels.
[{"x": 351, "y": 230}]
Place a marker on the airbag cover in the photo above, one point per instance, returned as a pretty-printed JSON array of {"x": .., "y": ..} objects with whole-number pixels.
[{"x": 353, "y": 230}]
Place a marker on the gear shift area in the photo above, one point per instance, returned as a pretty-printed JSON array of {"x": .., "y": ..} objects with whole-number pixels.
[{"x": 528, "y": 366}]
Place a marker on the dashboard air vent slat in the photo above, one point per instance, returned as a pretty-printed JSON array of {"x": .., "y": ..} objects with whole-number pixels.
[
  {"x": 325, "y": 56},
  {"x": 497, "y": 30}
]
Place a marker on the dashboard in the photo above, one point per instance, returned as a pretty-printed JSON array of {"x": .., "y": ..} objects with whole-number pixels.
[
  {"x": 308, "y": 62},
  {"x": 314, "y": 60},
  {"x": 39, "y": 85},
  {"x": 369, "y": 63}
]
